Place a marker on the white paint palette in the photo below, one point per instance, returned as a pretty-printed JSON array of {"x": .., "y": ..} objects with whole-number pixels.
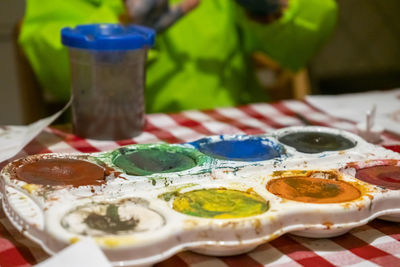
[{"x": 221, "y": 195}]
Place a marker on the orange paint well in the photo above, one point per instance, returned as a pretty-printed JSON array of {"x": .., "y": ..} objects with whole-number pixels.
[{"x": 313, "y": 190}]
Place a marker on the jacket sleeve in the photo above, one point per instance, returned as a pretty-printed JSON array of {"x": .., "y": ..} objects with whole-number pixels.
[
  {"x": 294, "y": 38},
  {"x": 40, "y": 37}
]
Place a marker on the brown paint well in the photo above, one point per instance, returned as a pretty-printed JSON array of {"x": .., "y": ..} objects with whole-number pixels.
[
  {"x": 313, "y": 190},
  {"x": 56, "y": 171}
]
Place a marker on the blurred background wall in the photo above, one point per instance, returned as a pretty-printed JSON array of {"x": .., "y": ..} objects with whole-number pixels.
[
  {"x": 363, "y": 54},
  {"x": 11, "y": 99}
]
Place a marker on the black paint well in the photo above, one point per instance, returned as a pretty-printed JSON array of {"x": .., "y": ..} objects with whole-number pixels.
[{"x": 316, "y": 142}]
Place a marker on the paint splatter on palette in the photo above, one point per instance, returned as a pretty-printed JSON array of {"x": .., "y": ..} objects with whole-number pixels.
[{"x": 220, "y": 195}]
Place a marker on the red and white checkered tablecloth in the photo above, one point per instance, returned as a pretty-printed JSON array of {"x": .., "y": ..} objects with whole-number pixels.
[{"x": 377, "y": 243}]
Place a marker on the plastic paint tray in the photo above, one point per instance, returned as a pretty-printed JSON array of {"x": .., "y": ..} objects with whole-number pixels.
[{"x": 220, "y": 195}]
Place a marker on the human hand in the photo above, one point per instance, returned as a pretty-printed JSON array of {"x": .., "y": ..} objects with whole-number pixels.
[
  {"x": 157, "y": 14},
  {"x": 264, "y": 11},
  {"x": 188, "y": 5}
]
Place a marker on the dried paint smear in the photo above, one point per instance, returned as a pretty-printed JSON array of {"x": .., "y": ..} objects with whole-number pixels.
[{"x": 112, "y": 218}]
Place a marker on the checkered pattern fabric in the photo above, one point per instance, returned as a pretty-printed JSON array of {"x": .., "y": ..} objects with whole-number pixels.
[{"x": 377, "y": 243}]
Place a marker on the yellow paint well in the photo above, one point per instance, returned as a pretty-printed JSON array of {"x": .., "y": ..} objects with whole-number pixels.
[{"x": 220, "y": 203}]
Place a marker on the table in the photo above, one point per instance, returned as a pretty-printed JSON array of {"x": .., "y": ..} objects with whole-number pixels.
[{"x": 377, "y": 243}]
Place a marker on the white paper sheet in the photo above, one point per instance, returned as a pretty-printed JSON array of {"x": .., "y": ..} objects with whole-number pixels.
[
  {"x": 14, "y": 138},
  {"x": 85, "y": 253},
  {"x": 355, "y": 106}
]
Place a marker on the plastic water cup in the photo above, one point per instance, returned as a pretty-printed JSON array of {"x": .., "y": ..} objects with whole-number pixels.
[{"x": 107, "y": 64}]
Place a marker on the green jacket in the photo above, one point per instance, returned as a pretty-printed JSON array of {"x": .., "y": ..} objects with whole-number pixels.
[{"x": 201, "y": 62}]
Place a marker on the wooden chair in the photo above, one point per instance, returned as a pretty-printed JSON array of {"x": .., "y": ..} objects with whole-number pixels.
[
  {"x": 278, "y": 82},
  {"x": 33, "y": 104}
]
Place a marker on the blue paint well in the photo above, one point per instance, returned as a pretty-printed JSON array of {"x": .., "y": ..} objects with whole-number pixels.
[{"x": 240, "y": 148}]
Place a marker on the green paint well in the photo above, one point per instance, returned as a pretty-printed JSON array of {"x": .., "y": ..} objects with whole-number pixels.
[
  {"x": 220, "y": 203},
  {"x": 316, "y": 142},
  {"x": 150, "y": 159}
]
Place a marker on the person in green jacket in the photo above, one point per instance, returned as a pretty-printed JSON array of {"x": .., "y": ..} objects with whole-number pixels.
[{"x": 200, "y": 61}]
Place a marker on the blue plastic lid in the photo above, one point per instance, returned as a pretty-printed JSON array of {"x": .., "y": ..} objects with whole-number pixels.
[{"x": 106, "y": 36}]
